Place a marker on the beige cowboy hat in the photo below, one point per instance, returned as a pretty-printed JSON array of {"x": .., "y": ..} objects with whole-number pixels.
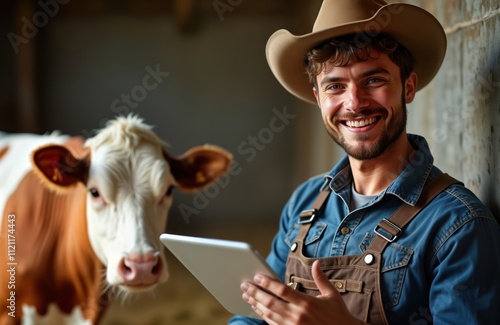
[{"x": 418, "y": 30}]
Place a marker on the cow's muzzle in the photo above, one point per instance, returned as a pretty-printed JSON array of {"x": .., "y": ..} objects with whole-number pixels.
[{"x": 140, "y": 271}]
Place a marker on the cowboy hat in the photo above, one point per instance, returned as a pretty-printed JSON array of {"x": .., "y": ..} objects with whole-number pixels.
[{"x": 413, "y": 27}]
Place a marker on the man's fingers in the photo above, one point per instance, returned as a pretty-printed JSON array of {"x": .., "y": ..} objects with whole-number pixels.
[
  {"x": 263, "y": 302},
  {"x": 322, "y": 282}
]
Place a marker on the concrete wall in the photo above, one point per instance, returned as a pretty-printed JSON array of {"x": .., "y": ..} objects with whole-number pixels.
[{"x": 459, "y": 112}]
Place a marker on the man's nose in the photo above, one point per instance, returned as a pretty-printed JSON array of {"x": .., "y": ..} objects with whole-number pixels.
[{"x": 355, "y": 99}]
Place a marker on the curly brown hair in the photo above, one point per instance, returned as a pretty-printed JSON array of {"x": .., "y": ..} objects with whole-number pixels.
[{"x": 342, "y": 50}]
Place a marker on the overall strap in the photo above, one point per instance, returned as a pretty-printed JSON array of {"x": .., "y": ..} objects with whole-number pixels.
[
  {"x": 389, "y": 229},
  {"x": 307, "y": 217}
]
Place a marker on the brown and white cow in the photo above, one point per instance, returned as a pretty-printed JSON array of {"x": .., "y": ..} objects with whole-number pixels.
[{"x": 83, "y": 217}]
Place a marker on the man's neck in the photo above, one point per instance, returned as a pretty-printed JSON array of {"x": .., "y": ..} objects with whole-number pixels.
[{"x": 373, "y": 176}]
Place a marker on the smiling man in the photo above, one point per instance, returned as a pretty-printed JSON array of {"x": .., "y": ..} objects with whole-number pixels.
[
  {"x": 384, "y": 237},
  {"x": 362, "y": 97}
]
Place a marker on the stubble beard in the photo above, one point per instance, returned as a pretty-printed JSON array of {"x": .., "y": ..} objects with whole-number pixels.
[{"x": 387, "y": 137}]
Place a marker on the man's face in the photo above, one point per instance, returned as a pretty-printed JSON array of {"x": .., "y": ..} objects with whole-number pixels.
[{"x": 363, "y": 104}]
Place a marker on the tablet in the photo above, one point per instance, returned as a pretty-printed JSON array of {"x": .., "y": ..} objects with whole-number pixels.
[{"x": 221, "y": 266}]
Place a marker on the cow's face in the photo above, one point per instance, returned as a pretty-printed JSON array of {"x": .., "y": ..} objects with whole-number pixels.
[
  {"x": 128, "y": 197},
  {"x": 129, "y": 186}
]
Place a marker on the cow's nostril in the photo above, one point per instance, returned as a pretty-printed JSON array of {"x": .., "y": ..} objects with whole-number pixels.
[
  {"x": 124, "y": 270},
  {"x": 140, "y": 269}
]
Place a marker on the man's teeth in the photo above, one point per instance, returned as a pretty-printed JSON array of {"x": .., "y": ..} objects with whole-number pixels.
[{"x": 360, "y": 123}]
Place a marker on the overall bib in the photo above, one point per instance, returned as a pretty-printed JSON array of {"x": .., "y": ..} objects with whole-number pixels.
[{"x": 356, "y": 277}]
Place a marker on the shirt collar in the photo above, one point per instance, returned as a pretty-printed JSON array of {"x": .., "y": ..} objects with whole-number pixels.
[{"x": 410, "y": 182}]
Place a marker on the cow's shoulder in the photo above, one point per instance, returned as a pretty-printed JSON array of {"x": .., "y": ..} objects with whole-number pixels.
[{"x": 15, "y": 161}]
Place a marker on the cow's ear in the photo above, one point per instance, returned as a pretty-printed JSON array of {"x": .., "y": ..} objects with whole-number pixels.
[
  {"x": 59, "y": 167},
  {"x": 199, "y": 166}
]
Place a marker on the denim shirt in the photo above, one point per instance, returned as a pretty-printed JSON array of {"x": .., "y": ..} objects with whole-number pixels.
[{"x": 444, "y": 268}]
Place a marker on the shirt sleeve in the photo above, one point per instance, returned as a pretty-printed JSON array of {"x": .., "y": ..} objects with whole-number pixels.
[
  {"x": 241, "y": 320},
  {"x": 465, "y": 282}
]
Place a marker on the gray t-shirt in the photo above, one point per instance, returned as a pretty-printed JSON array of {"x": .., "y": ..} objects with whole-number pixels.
[{"x": 358, "y": 200}]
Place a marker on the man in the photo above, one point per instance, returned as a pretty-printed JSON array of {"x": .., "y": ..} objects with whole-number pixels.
[{"x": 353, "y": 259}]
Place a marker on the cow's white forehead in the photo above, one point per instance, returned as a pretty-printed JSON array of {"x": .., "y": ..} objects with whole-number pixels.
[
  {"x": 128, "y": 155},
  {"x": 125, "y": 133}
]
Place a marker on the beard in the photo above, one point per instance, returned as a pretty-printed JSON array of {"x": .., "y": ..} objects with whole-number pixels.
[{"x": 385, "y": 139}]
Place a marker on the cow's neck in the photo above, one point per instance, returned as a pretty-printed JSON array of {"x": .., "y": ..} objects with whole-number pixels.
[
  {"x": 55, "y": 261},
  {"x": 54, "y": 231}
]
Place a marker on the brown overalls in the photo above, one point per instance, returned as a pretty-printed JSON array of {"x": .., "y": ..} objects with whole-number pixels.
[{"x": 356, "y": 277}]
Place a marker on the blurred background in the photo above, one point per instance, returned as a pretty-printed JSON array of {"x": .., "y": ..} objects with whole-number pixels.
[
  {"x": 196, "y": 71},
  {"x": 193, "y": 69}
]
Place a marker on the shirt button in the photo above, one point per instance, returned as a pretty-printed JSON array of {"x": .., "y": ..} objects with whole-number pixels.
[
  {"x": 369, "y": 259},
  {"x": 345, "y": 230}
]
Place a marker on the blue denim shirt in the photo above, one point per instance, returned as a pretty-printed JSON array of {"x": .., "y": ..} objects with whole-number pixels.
[{"x": 444, "y": 268}]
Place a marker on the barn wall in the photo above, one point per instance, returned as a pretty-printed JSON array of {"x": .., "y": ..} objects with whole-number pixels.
[{"x": 459, "y": 112}]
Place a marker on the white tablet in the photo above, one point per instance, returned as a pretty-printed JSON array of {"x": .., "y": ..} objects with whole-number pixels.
[{"x": 221, "y": 266}]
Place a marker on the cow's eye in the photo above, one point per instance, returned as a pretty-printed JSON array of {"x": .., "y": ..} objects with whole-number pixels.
[
  {"x": 94, "y": 192},
  {"x": 169, "y": 191}
]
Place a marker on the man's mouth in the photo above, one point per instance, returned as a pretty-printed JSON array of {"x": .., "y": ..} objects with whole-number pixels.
[{"x": 360, "y": 123}]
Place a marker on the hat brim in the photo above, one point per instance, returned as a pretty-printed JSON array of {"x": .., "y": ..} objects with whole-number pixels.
[{"x": 412, "y": 26}]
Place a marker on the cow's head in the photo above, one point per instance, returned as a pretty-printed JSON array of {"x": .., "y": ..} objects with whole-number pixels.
[{"x": 129, "y": 179}]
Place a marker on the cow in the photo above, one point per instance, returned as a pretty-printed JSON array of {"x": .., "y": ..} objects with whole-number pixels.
[{"x": 82, "y": 218}]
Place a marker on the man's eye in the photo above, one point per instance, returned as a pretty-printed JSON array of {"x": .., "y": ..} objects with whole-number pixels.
[
  {"x": 334, "y": 87},
  {"x": 374, "y": 80}
]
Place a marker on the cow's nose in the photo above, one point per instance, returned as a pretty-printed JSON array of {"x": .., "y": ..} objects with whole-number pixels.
[{"x": 140, "y": 270}]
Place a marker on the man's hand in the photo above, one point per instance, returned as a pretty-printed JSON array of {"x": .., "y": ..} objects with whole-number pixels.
[{"x": 293, "y": 307}]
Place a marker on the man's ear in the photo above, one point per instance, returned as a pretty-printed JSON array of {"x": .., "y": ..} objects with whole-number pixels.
[
  {"x": 199, "y": 166},
  {"x": 410, "y": 87},
  {"x": 316, "y": 95},
  {"x": 59, "y": 167}
]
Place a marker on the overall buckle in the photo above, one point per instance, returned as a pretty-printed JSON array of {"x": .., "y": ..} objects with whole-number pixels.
[
  {"x": 391, "y": 231},
  {"x": 307, "y": 216},
  {"x": 295, "y": 285}
]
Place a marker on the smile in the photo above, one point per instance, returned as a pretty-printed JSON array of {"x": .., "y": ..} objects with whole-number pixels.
[{"x": 360, "y": 123}]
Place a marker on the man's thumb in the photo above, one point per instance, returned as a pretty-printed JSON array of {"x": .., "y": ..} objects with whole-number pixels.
[{"x": 322, "y": 282}]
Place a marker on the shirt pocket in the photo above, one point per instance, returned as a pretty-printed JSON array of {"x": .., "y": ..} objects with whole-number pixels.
[
  {"x": 312, "y": 240},
  {"x": 396, "y": 259}
]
